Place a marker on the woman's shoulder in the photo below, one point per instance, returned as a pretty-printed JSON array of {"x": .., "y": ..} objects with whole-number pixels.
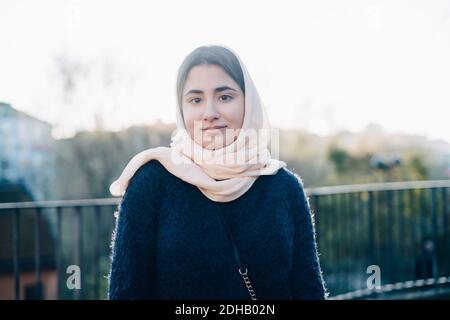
[
  {"x": 289, "y": 180},
  {"x": 284, "y": 184},
  {"x": 292, "y": 185},
  {"x": 144, "y": 187},
  {"x": 149, "y": 175}
]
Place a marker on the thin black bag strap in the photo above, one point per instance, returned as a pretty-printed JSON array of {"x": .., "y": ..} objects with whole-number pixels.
[
  {"x": 241, "y": 267},
  {"x": 235, "y": 250}
]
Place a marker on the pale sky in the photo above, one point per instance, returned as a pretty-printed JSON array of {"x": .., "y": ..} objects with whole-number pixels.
[{"x": 318, "y": 65}]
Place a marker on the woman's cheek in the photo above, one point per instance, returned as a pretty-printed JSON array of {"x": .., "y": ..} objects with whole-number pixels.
[
  {"x": 236, "y": 117},
  {"x": 190, "y": 119}
]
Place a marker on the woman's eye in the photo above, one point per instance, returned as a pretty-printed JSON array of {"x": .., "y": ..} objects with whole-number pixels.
[
  {"x": 228, "y": 98},
  {"x": 195, "y": 100}
]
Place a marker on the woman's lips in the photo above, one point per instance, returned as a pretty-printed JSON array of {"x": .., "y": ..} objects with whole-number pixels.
[{"x": 214, "y": 128}]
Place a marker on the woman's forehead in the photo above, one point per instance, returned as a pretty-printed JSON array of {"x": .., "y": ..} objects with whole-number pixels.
[{"x": 208, "y": 78}]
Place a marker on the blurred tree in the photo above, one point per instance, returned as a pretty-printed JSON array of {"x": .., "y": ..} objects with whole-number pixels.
[{"x": 418, "y": 166}]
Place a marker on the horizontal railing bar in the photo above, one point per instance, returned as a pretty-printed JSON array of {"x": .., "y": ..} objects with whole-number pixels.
[
  {"x": 60, "y": 203},
  {"x": 383, "y": 186}
]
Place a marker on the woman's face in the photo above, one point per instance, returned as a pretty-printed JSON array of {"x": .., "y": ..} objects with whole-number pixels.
[{"x": 212, "y": 106}]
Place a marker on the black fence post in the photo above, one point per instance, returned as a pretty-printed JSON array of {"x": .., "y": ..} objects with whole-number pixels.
[
  {"x": 37, "y": 291},
  {"x": 58, "y": 252},
  {"x": 79, "y": 249},
  {"x": 98, "y": 227},
  {"x": 16, "y": 253}
]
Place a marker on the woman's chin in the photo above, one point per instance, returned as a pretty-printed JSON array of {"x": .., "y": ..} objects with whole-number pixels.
[{"x": 216, "y": 144}]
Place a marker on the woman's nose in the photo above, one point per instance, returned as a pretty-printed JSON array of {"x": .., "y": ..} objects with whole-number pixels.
[{"x": 211, "y": 112}]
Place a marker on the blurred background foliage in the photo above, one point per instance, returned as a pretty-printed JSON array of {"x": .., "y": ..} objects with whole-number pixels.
[{"x": 89, "y": 162}]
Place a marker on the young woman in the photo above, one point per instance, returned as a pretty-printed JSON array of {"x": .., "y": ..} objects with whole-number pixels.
[{"x": 214, "y": 216}]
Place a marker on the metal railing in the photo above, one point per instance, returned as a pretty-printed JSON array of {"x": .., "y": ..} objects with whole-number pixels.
[
  {"x": 411, "y": 289},
  {"x": 80, "y": 239},
  {"x": 401, "y": 227},
  {"x": 384, "y": 224}
]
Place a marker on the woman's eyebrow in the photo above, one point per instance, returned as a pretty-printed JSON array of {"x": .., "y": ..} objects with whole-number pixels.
[
  {"x": 218, "y": 89},
  {"x": 223, "y": 88}
]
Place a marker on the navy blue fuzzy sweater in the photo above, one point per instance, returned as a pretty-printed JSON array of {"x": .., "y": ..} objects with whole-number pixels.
[{"x": 169, "y": 241}]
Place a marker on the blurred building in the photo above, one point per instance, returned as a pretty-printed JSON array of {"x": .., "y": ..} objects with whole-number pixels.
[{"x": 26, "y": 152}]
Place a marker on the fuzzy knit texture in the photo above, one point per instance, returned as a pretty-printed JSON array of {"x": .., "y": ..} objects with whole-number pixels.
[{"x": 170, "y": 244}]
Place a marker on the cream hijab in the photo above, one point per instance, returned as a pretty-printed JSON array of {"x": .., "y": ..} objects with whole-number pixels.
[{"x": 224, "y": 174}]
